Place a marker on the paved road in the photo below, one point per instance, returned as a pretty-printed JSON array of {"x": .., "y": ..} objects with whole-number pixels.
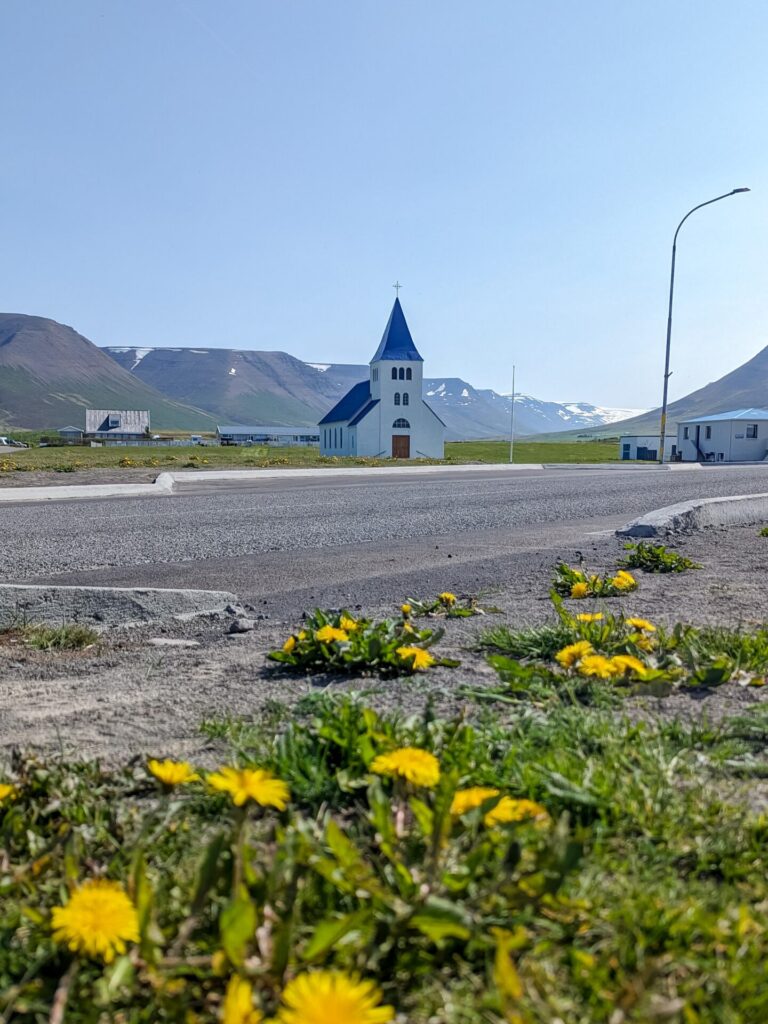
[{"x": 331, "y": 540}]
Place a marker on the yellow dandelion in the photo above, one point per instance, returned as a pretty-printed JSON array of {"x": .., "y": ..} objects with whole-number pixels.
[
  {"x": 590, "y": 616},
  {"x": 645, "y": 643},
  {"x": 468, "y": 799},
  {"x": 418, "y": 657},
  {"x": 238, "y": 1003},
  {"x": 330, "y": 634},
  {"x": 301, "y": 635},
  {"x": 172, "y": 773},
  {"x": 580, "y": 589},
  {"x": 447, "y": 598},
  {"x": 406, "y": 609},
  {"x": 255, "y": 784},
  {"x": 410, "y": 763},
  {"x": 625, "y": 663},
  {"x": 408, "y": 628},
  {"x": 598, "y": 666},
  {"x": 509, "y": 809},
  {"x": 348, "y": 623},
  {"x": 569, "y": 655},
  {"x": 289, "y": 644},
  {"x": 7, "y": 792},
  {"x": 624, "y": 581},
  {"x": 332, "y": 997},
  {"x": 641, "y": 624},
  {"x": 98, "y": 921}
]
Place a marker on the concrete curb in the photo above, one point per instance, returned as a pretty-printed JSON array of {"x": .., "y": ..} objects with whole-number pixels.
[
  {"x": 106, "y": 606},
  {"x": 687, "y": 516},
  {"x": 64, "y": 493}
]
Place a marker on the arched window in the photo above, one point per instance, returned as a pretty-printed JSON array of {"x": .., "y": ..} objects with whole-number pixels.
[
  {"x": 401, "y": 424},
  {"x": 405, "y": 398},
  {"x": 401, "y": 374},
  {"x": 397, "y": 398},
  {"x": 408, "y": 374},
  {"x": 394, "y": 373}
]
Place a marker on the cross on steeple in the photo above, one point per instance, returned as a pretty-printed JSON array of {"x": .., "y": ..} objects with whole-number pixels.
[{"x": 397, "y": 286}]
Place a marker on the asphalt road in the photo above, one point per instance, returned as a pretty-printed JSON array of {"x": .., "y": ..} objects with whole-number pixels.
[{"x": 339, "y": 541}]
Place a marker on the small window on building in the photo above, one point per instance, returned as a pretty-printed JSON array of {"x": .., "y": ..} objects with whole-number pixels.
[
  {"x": 707, "y": 432},
  {"x": 394, "y": 373},
  {"x": 405, "y": 398},
  {"x": 334, "y": 437},
  {"x": 401, "y": 373},
  {"x": 751, "y": 430},
  {"x": 685, "y": 433},
  {"x": 114, "y": 421},
  {"x": 397, "y": 398},
  {"x": 401, "y": 424},
  {"x": 408, "y": 374},
  {"x": 341, "y": 441}
]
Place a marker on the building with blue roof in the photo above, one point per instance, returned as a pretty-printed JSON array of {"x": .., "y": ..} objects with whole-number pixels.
[
  {"x": 386, "y": 416},
  {"x": 740, "y": 435}
]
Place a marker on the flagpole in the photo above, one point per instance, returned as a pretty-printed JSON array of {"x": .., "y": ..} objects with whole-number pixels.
[{"x": 512, "y": 421}]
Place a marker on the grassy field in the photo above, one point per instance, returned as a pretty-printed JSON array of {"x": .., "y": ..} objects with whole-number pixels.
[{"x": 71, "y": 459}]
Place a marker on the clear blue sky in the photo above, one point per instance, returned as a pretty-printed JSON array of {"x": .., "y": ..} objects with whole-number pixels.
[{"x": 257, "y": 173}]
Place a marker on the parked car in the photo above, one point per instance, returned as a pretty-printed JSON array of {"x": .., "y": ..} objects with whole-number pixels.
[{"x": 8, "y": 442}]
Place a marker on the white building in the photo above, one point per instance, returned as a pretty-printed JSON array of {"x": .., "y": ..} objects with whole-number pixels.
[
  {"x": 385, "y": 415},
  {"x": 737, "y": 436},
  {"x": 645, "y": 447}
]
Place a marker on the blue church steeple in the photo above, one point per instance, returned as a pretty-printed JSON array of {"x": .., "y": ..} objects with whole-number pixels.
[{"x": 397, "y": 342}]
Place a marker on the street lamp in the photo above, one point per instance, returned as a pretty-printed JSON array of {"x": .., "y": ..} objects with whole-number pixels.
[{"x": 669, "y": 318}]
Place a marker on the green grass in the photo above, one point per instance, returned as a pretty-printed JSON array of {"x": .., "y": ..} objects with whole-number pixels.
[
  {"x": 645, "y": 889},
  {"x": 69, "y": 636},
  {"x": 67, "y": 459}
]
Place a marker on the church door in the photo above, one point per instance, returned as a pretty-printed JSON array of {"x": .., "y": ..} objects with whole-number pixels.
[{"x": 401, "y": 446}]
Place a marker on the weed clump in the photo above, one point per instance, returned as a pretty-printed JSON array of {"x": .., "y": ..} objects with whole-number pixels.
[
  {"x": 655, "y": 558},
  {"x": 338, "y": 642}
]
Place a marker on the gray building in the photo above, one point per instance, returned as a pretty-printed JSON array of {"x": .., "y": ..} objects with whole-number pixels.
[
  {"x": 117, "y": 424},
  {"x": 290, "y": 437},
  {"x": 70, "y": 433},
  {"x": 737, "y": 436}
]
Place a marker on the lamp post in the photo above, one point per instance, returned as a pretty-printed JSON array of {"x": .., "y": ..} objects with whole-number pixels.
[{"x": 667, "y": 374}]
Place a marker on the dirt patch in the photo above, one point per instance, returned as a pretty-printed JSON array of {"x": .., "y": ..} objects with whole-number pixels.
[{"x": 130, "y": 696}]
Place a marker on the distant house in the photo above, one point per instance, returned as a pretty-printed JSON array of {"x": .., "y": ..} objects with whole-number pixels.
[
  {"x": 70, "y": 433},
  {"x": 737, "y": 436},
  {"x": 116, "y": 424},
  {"x": 289, "y": 436}
]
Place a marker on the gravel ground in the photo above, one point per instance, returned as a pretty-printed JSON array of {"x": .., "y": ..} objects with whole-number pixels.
[
  {"x": 40, "y": 541},
  {"x": 131, "y": 697}
]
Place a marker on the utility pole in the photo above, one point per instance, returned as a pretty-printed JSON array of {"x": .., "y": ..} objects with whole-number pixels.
[{"x": 512, "y": 421}]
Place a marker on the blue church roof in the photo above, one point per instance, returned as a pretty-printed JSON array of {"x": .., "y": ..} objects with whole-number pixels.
[
  {"x": 351, "y": 403},
  {"x": 397, "y": 342}
]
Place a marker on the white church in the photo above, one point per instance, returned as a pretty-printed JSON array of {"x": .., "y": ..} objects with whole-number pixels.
[{"x": 386, "y": 416}]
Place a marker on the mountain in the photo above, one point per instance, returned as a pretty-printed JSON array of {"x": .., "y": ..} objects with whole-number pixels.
[
  {"x": 746, "y": 387},
  {"x": 275, "y": 388},
  {"x": 49, "y": 374}
]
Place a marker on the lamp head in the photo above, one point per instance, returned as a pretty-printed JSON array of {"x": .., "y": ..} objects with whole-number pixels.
[{"x": 740, "y": 190}]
